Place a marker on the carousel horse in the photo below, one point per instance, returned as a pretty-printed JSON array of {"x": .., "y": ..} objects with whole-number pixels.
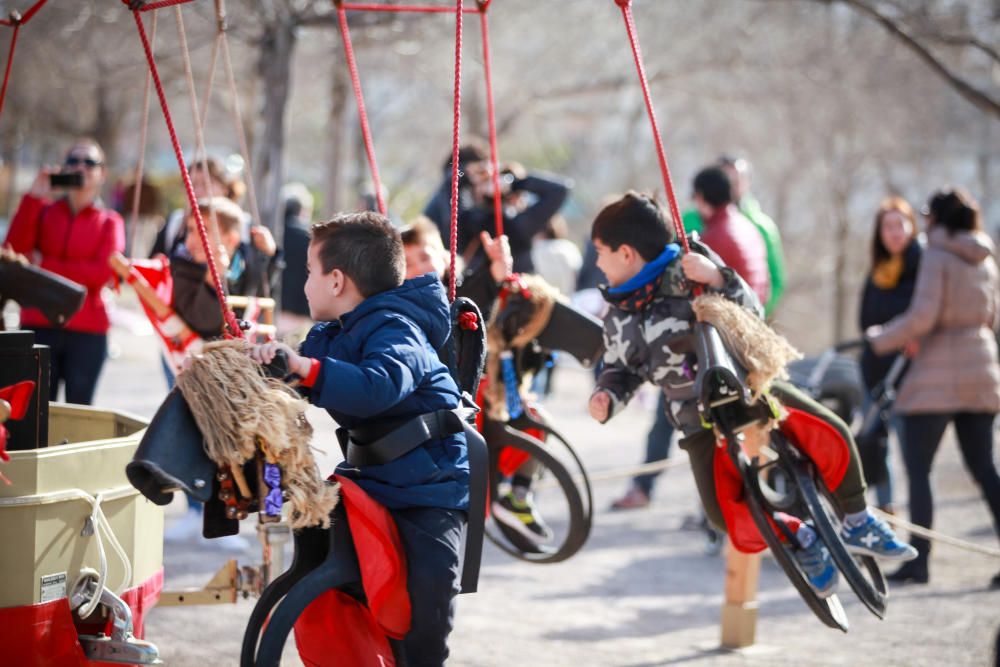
[
  {"x": 345, "y": 592},
  {"x": 530, "y": 323},
  {"x": 33, "y": 287}
]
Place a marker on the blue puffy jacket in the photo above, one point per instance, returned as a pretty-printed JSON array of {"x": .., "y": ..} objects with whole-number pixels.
[{"x": 380, "y": 361}]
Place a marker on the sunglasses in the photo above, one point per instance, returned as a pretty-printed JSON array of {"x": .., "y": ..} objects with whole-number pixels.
[{"x": 73, "y": 161}]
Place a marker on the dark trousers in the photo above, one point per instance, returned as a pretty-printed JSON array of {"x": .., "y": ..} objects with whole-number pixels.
[
  {"x": 432, "y": 539},
  {"x": 921, "y": 437},
  {"x": 77, "y": 360},
  {"x": 657, "y": 445}
]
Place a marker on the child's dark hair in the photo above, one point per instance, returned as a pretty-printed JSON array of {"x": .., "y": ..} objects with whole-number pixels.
[
  {"x": 365, "y": 246},
  {"x": 636, "y": 220},
  {"x": 714, "y": 186},
  {"x": 954, "y": 209}
]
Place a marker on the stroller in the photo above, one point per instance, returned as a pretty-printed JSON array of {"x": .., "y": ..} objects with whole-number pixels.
[{"x": 834, "y": 379}]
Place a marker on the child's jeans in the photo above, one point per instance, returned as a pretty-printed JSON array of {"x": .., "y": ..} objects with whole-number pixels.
[{"x": 432, "y": 538}]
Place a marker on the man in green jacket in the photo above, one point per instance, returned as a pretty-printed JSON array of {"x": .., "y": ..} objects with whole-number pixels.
[{"x": 738, "y": 170}]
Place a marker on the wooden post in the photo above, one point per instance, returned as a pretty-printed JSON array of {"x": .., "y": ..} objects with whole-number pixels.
[{"x": 739, "y": 611}]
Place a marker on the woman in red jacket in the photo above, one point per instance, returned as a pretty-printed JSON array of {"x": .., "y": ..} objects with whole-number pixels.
[{"x": 72, "y": 234}]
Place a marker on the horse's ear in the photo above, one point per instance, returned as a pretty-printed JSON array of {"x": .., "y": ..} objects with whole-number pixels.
[{"x": 171, "y": 455}]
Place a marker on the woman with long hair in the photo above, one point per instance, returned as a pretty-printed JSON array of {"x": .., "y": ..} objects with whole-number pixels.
[
  {"x": 954, "y": 375},
  {"x": 895, "y": 257}
]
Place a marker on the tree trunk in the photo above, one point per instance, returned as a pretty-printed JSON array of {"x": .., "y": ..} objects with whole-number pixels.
[
  {"x": 338, "y": 137},
  {"x": 274, "y": 67},
  {"x": 842, "y": 247}
]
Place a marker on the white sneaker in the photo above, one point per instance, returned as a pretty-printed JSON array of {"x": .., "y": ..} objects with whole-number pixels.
[{"x": 187, "y": 528}]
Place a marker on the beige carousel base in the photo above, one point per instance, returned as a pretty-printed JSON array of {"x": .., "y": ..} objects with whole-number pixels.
[{"x": 44, "y": 514}]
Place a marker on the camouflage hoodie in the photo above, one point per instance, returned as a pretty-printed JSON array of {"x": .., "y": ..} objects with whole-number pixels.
[{"x": 647, "y": 336}]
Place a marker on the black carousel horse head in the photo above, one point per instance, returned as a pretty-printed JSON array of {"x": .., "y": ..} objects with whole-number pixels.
[
  {"x": 567, "y": 330},
  {"x": 32, "y": 287}
]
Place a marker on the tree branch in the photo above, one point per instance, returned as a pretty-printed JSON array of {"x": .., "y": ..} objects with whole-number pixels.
[{"x": 979, "y": 98}]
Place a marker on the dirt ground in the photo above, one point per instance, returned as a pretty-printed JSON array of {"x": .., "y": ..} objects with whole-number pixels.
[{"x": 641, "y": 592}]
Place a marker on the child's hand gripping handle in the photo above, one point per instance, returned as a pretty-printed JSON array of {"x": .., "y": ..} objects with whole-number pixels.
[{"x": 278, "y": 367}]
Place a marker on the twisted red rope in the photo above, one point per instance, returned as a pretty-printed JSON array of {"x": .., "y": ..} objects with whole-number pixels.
[
  {"x": 228, "y": 316},
  {"x": 16, "y": 18},
  {"x": 417, "y": 9},
  {"x": 10, "y": 61},
  {"x": 633, "y": 38},
  {"x": 162, "y": 4},
  {"x": 457, "y": 120},
  {"x": 491, "y": 119},
  {"x": 366, "y": 133}
]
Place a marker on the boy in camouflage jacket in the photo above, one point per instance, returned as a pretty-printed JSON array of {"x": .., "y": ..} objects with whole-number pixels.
[{"x": 647, "y": 335}]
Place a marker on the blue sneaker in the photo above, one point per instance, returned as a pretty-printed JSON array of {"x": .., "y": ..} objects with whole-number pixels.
[
  {"x": 818, "y": 567},
  {"x": 875, "y": 538}
]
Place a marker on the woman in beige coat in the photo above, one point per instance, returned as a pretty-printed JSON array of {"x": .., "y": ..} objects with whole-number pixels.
[{"x": 954, "y": 376}]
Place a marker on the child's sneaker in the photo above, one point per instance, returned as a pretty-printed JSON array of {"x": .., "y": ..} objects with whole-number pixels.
[
  {"x": 817, "y": 565},
  {"x": 875, "y": 538},
  {"x": 519, "y": 514}
]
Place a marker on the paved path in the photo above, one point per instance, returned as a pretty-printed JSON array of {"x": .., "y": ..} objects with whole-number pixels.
[{"x": 640, "y": 593}]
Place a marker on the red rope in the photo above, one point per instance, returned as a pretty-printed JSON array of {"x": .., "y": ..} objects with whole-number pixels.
[
  {"x": 10, "y": 61},
  {"x": 491, "y": 118},
  {"x": 633, "y": 38},
  {"x": 457, "y": 120},
  {"x": 366, "y": 133},
  {"x": 162, "y": 4},
  {"x": 227, "y": 315},
  {"x": 16, "y": 18},
  {"x": 417, "y": 9}
]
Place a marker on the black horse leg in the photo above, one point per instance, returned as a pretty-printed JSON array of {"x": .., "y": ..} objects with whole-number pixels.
[
  {"x": 311, "y": 548},
  {"x": 340, "y": 569}
]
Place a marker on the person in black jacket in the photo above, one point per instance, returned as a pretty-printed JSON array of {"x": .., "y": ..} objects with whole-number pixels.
[
  {"x": 294, "y": 319},
  {"x": 896, "y": 251},
  {"x": 529, "y": 201}
]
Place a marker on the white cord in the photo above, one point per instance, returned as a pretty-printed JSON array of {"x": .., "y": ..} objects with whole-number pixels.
[{"x": 99, "y": 523}]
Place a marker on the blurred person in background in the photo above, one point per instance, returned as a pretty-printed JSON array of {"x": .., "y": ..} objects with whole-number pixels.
[
  {"x": 895, "y": 259},
  {"x": 556, "y": 258},
  {"x": 739, "y": 171},
  {"x": 67, "y": 230},
  {"x": 294, "y": 317},
  {"x": 954, "y": 375},
  {"x": 212, "y": 181}
]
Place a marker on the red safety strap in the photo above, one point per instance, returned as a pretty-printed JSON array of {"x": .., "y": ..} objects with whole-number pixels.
[
  {"x": 491, "y": 117},
  {"x": 227, "y": 314},
  {"x": 366, "y": 133},
  {"x": 633, "y": 38},
  {"x": 456, "y": 123}
]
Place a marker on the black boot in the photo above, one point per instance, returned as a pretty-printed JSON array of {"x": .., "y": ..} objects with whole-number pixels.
[
  {"x": 995, "y": 581},
  {"x": 913, "y": 572}
]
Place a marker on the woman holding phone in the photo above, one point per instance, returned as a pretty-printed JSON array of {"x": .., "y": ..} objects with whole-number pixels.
[{"x": 62, "y": 226}]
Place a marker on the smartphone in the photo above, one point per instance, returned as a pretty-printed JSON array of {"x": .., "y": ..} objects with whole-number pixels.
[{"x": 73, "y": 179}]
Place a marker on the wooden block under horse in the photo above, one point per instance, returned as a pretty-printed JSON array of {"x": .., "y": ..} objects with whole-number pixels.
[
  {"x": 739, "y": 611},
  {"x": 45, "y": 540}
]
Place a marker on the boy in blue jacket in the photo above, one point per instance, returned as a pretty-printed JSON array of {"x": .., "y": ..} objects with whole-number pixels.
[{"x": 372, "y": 363}]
